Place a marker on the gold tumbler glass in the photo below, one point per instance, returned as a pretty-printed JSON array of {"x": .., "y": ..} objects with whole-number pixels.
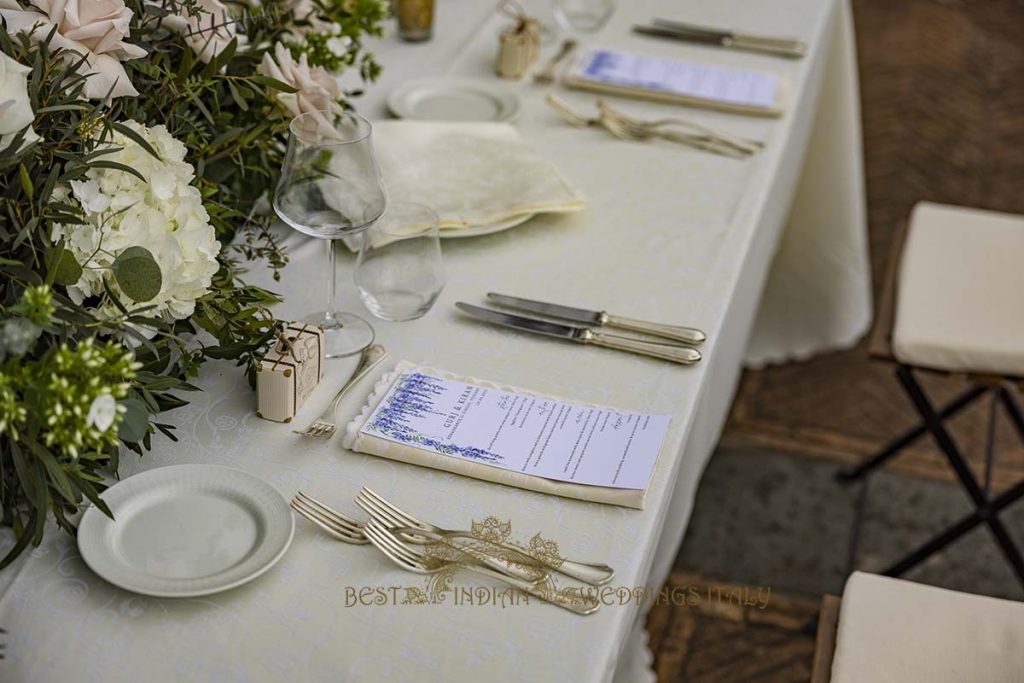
[{"x": 415, "y": 19}]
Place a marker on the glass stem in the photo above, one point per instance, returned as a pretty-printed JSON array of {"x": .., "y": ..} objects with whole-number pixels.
[{"x": 332, "y": 282}]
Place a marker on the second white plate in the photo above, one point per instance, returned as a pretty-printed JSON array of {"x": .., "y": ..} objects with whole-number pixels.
[
  {"x": 446, "y": 99},
  {"x": 186, "y": 530},
  {"x": 478, "y": 230}
]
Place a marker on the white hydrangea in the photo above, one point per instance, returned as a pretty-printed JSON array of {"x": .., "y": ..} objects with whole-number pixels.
[{"x": 164, "y": 214}]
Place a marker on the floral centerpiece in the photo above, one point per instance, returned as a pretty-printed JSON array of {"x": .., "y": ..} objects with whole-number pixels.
[{"x": 137, "y": 139}]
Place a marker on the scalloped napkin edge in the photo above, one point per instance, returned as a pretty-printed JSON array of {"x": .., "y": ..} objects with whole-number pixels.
[{"x": 356, "y": 441}]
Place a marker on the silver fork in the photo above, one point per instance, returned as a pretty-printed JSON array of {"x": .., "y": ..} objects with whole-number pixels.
[
  {"x": 626, "y": 128},
  {"x": 743, "y": 144},
  {"x": 323, "y": 426},
  {"x": 413, "y": 560},
  {"x": 333, "y": 523},
  {"x": 348, "y": 530},
  {"x": 547, "y": 73},
  {"x": 596, "y": 574}
]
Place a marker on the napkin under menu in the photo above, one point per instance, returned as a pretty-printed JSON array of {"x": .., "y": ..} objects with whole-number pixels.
[
  {"x": 743, "y": 91},
  {"x": 510, "y": 436}
]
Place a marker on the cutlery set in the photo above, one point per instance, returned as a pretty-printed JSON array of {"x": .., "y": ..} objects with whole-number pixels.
[
  {"x": 405, "y": 540},
  {"x": 675, "y": 30},
  {"x": 672, "y": 129},
  {"x": 656, "y": 340}
]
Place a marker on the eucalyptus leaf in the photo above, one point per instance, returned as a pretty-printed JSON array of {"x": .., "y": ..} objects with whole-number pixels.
[
  {"x": 137, "y": 274},
  {"x": 134, "y": 420},
  {"x": 62, "y": 266}
]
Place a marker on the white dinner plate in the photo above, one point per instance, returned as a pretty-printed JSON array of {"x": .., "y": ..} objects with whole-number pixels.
[
  {"x": 478, "y": 230},
  {"x": 453, "y": 233},
  {"x": 445, "y": 99},
  {"x": 186, "y": 530}
]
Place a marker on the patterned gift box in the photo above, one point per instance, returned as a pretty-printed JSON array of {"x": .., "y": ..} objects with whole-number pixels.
[{"x": 289, "y": 372}]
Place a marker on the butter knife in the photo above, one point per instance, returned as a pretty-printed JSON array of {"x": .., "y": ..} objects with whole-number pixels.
[
  {"x": 785, "y": 47},
  {"x": 678, "y": 333},
  {"x": 583, "y": 335}
]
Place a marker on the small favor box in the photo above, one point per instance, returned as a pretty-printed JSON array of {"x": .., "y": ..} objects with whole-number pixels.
[
  {"x": 519, "y": 46},
  {"x": 289, "y": 372}
]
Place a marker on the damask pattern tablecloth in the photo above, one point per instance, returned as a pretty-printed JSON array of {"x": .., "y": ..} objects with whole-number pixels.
[{"x": 669, "y": 234}]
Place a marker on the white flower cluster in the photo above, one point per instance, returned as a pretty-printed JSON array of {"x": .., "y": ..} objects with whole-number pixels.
[{"x": 163, "y": 214}]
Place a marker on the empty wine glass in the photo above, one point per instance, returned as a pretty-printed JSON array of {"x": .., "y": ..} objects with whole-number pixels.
[
  {"x": 399, "y": 271},
  {"x": 583, "y": 16},
  {"x": 331, "y": 188}
]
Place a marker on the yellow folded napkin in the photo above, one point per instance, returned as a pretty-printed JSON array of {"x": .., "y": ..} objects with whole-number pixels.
[{"x": 363, "y": 443}]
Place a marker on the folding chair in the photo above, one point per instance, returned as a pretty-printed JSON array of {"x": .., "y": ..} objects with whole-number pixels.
[{"x": 953, "y": 303}]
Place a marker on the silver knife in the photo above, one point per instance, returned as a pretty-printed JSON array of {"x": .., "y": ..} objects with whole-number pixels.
[
  {"x": 785, "y": 47},
  {"x": 686, "y": 335},
  {"x": 584, "y": 335}
]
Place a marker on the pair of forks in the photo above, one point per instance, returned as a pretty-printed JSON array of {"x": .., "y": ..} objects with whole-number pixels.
[
  {"x": 394, "y": 531},
  {"x": 626, "y": 127}
]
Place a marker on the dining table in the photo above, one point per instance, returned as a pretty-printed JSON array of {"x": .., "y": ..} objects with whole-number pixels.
[{"x": 767, "y": 255}]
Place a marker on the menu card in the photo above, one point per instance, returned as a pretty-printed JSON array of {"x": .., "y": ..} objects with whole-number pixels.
[
  {"x": 744, "y": 87},
  {"x": 543, "y": 437}
]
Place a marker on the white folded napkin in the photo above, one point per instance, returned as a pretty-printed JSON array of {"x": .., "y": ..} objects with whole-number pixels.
[
  {"x": 471, "y": 174},
  {"x": 355, "y": 440}
]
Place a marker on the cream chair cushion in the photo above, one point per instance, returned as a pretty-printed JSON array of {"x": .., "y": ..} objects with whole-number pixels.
[
  {"x": 903, "y": 632},
  {"x": 960, "y": 296}
]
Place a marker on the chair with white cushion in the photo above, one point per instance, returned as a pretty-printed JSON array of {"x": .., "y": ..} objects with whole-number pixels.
[
  {"x": 954, "y": 303},
  {"x": 895, "y": 631}
]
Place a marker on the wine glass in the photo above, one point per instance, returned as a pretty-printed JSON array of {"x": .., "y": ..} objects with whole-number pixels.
[
  {"x": 331, "y": 188},
  {"x": 583, "y": 16}
]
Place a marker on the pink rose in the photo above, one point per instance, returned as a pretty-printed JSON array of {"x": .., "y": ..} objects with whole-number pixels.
[
  {"x": 95, "y": 29},
  {"x": 318, "y": 90},
  {"x": 208, "y": 32}
]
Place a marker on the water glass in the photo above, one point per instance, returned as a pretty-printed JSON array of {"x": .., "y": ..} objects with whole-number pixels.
[
  {"x": 583, "y": 16},
  {"x": 399, "y": 271}
]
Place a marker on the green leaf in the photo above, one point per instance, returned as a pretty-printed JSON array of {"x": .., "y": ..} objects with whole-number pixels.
[
  {"x": 26, "y": 181},
  {"x": 272, "y": 83},
  {"x": 135, "y": 137},
  {"x": 56, "y": 473},
  {"x": 221, "y": 59},
  {"x": 41, "y": 501},
  {"x": 134, "y": 420},
  {"x": 21, "y": 468},
  {"x": 137, "y": 273},
  {"x": 113, "y": 165},
  {"x": 23, "y": 540},
  {"x": 62, "y": 266},
  {"x": 90, "y": 492},
  {"x": 236, "y": 95}
]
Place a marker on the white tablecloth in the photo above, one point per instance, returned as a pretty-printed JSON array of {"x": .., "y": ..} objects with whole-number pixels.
[{"x": 669, "y": 234}]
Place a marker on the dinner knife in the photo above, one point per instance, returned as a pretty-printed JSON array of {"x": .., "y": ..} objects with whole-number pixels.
[
  {"x": 686, "y": 335},
  {"x": 583, "y": 335},
  {"x": 785, "y": 47}
]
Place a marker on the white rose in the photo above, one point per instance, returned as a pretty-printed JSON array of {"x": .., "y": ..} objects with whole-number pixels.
[
  {"x": 318, "y": 90},
  {"x": 15, "y": 109},
  {"x": 101, "y": 412},
  {"x": 95, "y": 29},
  {"x": 208, "y": 32}
]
